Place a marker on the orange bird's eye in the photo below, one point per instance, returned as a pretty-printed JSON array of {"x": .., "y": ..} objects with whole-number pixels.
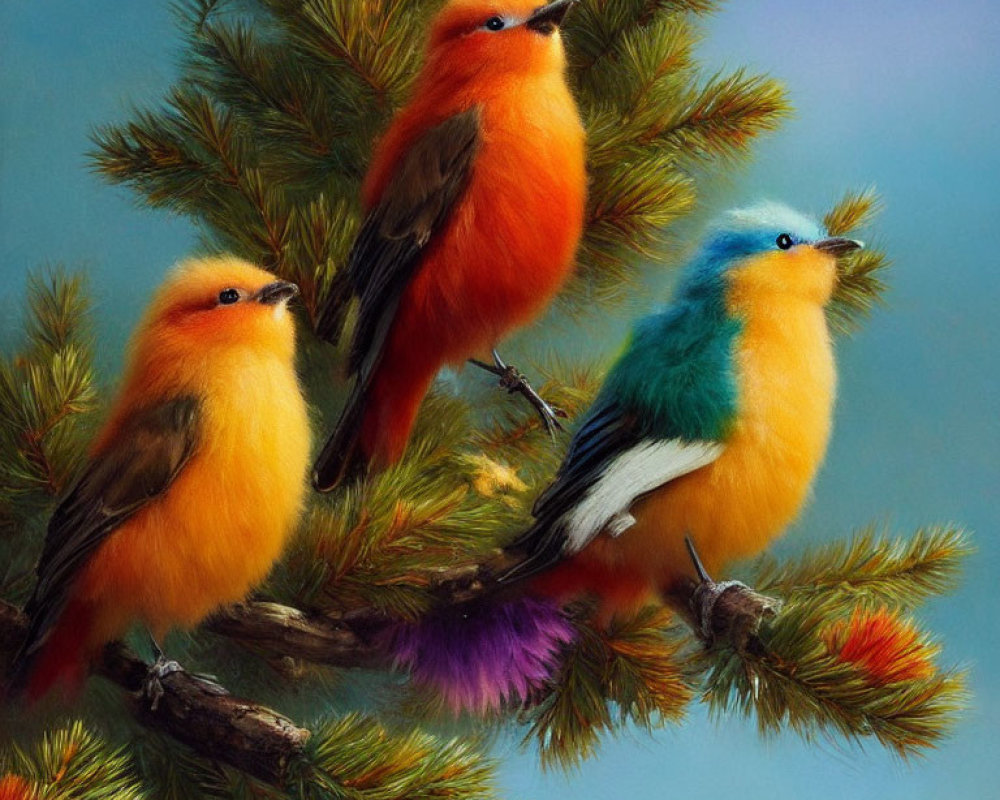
[
  {"x": 229, "y": 296},
  {"x": 494, "y": 24}
]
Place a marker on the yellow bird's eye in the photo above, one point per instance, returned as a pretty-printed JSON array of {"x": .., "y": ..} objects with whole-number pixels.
[
  {"x": 229, "y": 296},
  {"x": 494, "y": 24},
  {"x": 785, "y": 241}
]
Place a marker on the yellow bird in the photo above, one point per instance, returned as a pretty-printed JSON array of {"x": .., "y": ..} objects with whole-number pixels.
[
  {"x": 711, "y": 425},
  {"x": 194, "y": 483}
]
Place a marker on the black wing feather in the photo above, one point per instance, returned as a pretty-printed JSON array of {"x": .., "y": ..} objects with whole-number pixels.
[
  {"x": 431, "y": 178},
  {"x": 608, "y": 431},
  {"x": 386, "y": 254},
  {"x": 151, "y": 449}
]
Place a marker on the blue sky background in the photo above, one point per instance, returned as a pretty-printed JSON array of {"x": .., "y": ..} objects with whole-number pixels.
[{"x": 901, "y": 94}]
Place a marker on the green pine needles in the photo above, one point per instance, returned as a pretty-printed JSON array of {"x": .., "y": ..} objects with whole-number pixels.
[
  {"x": 262, "y": 144},
  {"x": 68, "y": 764},
  {"x": 47, "y": 391}
]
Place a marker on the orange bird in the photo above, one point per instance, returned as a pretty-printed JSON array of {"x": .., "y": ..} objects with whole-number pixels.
[
  {"x": 474, "y": 208},
  {"x": 193, "y": 484}
]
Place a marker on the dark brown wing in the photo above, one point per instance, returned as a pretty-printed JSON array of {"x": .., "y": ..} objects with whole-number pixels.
[
  {"x": 149, "y": 452},
  {"x": 428, "y": 183},
  {"x": 430, "y": 179}
]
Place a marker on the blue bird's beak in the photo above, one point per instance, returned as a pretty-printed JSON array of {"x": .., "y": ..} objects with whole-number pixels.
[{"x": 838, "y": 246}]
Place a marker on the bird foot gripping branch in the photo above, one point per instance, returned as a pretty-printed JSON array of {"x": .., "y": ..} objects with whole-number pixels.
[
  {"x": 152, "y": 687},
  {"x": 728, "y": 610},
  {"x": 513, "y": 380}
]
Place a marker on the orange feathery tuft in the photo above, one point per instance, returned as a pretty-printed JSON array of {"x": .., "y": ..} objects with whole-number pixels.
[
  {"x": 886, "y": 648},
  {"x": 14, "y": 787}
]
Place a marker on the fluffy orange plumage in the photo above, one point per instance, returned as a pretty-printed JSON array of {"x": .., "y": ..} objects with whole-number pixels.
[
  {"x": 214, "y": 474},
  {"x": 501, "y": 248}
]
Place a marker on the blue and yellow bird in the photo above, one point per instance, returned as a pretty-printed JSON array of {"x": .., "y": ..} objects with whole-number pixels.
[{"x": 711, "y": 425}]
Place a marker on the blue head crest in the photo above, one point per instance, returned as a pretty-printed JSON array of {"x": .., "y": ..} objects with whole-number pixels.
[{"x": 745, "y": 232}]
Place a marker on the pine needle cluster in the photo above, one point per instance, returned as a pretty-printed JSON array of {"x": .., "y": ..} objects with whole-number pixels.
[
  {"x": 351, "y": 757},
  {"x": 68, "y": 764},
  {"x": 47, "y": 391},
  {"x": 861, "y": 273},
  {"x": 629, "y": 672}
]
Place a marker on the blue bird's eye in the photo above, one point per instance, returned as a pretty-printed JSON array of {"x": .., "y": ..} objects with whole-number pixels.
[
  {"x": 229, "y": 296},
  {"x": 785, "y": 241},
  {"x": 494, "y": 24}
]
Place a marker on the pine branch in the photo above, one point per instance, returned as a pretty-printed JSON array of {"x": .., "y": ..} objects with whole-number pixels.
[
  {"x": 281, "y": 632},
  {"x": 860, "y": 279},
  {"x": 808, "y": 668},
  {"x": 803, "y": 680},
  {"x": 900, "y": 573},
  {"x": 854, "y": 211},
  {"x": 596, "y": 28},
  {"x": 69, "y": 764},
  {"x": 45, "y": 392},
  {"x": 354, "y": 756},
  {"x": 245, "y": 73},
  {"x": 194, "y": 711},
  {"x": 373, "y": 45},
  {"x": 725, "y": 116},
  {"x": 633, "y": 201},
  {"x": 632, "y": 667},
  {"x": 214, "y": 723}
]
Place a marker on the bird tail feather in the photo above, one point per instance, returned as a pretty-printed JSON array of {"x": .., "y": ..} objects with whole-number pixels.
[
  {"x": 485, "y": 654},
  {"x": 60, "y": 660},
  {"x": 375, "y": 424},
  {"x": 340, "y": 459}
]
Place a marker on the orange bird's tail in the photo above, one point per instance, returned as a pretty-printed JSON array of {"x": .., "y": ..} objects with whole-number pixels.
[
  {"x": 375, "y": 424},
  {"x": 61, "y": 659}
]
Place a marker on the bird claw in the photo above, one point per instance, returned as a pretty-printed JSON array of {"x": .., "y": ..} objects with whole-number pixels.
[
  {"x": 514, "y": 382},
  {"x": 729, "y": 610},
  {"x": 152, "y": 686},
  {"x": 733, "y": 612}
]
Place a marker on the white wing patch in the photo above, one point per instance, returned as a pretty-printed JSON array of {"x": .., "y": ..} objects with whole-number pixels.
[{"x": 635, "y": 472}]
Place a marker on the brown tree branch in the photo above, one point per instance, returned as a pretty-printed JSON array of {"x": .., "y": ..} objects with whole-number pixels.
[
  {"x": 193, "y": 710},
  {"x": 274, "y": 630},
  {"x": 206, "y": 717},
  {"x": 348, "y": 638}
]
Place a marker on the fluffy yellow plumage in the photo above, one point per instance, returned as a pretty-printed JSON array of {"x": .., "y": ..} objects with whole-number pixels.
[{"x": 786, "y": 377}]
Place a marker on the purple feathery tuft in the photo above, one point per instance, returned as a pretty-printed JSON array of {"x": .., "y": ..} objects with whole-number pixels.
[{"x": 482, "y": 655}]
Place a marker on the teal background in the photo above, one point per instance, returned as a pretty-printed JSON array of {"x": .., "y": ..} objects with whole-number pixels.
[{"x": 900, "y": 94}]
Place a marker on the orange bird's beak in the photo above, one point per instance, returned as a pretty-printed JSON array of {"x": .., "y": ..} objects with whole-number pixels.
[{"x": 546, "y": 19}]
